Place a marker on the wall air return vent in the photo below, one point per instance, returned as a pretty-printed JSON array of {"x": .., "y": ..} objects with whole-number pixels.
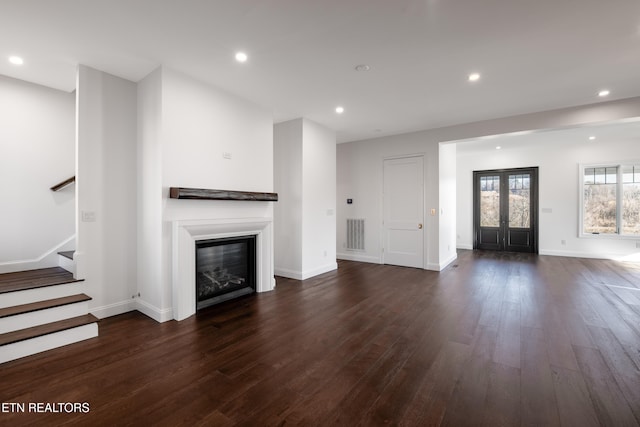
[{"x": 355, "y": 234}]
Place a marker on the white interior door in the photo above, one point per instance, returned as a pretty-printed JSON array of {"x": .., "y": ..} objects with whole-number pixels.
[{"x": 404, "y": 212}]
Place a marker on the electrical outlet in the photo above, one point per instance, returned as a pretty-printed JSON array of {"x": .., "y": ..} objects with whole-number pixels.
[{"x": 226, "y": 155}]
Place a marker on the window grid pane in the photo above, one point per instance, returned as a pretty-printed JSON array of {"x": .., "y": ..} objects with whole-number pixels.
[
  {"x": 611, "y": 205},
  {"x": 490, "y": 201},
  {"x": 600, "y": 200},
  {"x": 600, "y": 213},
  {"x": 631, "y": 208},
  {"x": 519, "y": 201}
]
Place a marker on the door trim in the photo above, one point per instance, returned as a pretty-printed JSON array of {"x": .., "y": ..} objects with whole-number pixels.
[{"x": 533, "y": 170}]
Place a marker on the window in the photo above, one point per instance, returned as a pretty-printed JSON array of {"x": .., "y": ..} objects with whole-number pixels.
[{"x": 611, "y": 200}]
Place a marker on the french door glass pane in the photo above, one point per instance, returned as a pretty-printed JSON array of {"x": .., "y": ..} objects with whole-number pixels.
[
  {"x": 490, "y": 201},
  {"x": 519, "y": 201}
]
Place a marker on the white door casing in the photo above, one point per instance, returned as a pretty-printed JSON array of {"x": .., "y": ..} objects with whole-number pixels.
[{"x": 403, "y": 206}]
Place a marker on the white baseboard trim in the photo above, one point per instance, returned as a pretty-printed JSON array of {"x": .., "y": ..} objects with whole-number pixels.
[
  {"x": 358, "y": 257},
  {"x": 319, "y": 270},
  {"x": 159, "y": 315},
  {"x": 46, "y": 260},
  {"x": 447, "y": 262},
  {"x": 285, "y": 272},
  {"x": 303, "y": 275},
  {"x": 433, "y": 267},
  {"x": 572, "y": 254},
  {"x": 465, "y": 246},
  {"x": 113, "y": 309}
]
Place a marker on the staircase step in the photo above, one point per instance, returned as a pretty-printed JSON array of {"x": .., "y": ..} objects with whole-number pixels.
[
  {"x": 67, "y": 254},
  {"x": 49, "y": 341},
  {"x": 65, "y": 260},
  {"x": 42, "y": 312},
  {"x": 32, "y": 279},
  {"x": 42, "y": 305},
  {"x": 29, "y": 296},
  {"x": 49, "y": 328}
]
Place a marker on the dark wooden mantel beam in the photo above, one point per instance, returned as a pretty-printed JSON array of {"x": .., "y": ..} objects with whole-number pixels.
[{"x": 207, "y": 194}]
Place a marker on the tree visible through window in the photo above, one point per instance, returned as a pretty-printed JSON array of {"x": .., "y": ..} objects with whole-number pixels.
[
  {"x": 490, "y": 201},
  {"x": 611, "y": 197},
  {"x": 631, "y": 199},
  {"x": 519, "y": 200}
]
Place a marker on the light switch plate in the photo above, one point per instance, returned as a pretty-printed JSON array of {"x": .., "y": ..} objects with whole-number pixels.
[{"x": 88, "y": 216}]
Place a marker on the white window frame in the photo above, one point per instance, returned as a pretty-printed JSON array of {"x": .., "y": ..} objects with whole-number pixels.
[{"x": 617, "y": 235}]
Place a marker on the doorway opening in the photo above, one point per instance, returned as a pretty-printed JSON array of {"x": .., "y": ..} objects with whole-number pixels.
[{"x": 505, "y": 210}]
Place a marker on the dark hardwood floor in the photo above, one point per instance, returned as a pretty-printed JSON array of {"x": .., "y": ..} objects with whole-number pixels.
[{"x": 496, "y": 339}]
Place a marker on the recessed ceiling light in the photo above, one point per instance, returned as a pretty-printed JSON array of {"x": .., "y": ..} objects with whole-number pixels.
[
  {"x": 591, "y": 138},
  {"x": 339, "y": 110},
  {"x": 362, "y": 67},
  {"x": 16, "y": 60},
  {"x": 241, "y": 57},
  {"x": 603, "y": 93},
  {"x": 474, "y": 77},
  {"x": 498, "y": 148}
]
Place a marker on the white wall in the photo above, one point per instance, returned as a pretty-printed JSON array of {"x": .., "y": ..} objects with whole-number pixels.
[
  {"x": 318, "y": 199},
  {"x": 287, "y": 168},
  {"x": 197, "y": 124},
  {"x": 37, "y": 151},
  {"x": 149, "y": 184},
  {"x": 106, "y": 190},
  {"x": 447, "y": 203},
  {"x": 305, "y": 179},
  {"x": 360, "y": 172},
  {"x": 557, "y": 154}
]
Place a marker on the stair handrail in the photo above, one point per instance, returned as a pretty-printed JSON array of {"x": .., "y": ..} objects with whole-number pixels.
[{"x": 63, "y": 184}]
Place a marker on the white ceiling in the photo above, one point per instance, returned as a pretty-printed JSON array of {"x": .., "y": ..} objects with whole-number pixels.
[
  {"x": 533, "y": 55},
  {"x": 604, "y": 134}
]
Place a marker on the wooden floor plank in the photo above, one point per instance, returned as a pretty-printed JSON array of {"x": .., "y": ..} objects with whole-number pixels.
[
  {"x": 537, "y": 399},
  {"x": 499, "y": 339},
  {"x": 574, "y": 402},
  {"x": 610, "y": 405},
  {"x": 502, "y": 405}
]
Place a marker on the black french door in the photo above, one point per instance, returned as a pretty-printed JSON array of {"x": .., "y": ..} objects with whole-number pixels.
[{"x": 505, "y": 210}]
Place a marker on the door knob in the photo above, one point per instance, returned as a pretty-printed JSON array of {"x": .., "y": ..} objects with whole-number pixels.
[{"x": 419, "y": 226}]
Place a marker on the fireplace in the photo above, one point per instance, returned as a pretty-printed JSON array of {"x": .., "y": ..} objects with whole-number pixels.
[
  {"x": 188, "y": 233},
  {"x": 225, "y": 269}
]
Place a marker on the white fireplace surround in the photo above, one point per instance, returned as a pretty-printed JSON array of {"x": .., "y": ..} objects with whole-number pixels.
[{"x": 185, "y": 235}]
